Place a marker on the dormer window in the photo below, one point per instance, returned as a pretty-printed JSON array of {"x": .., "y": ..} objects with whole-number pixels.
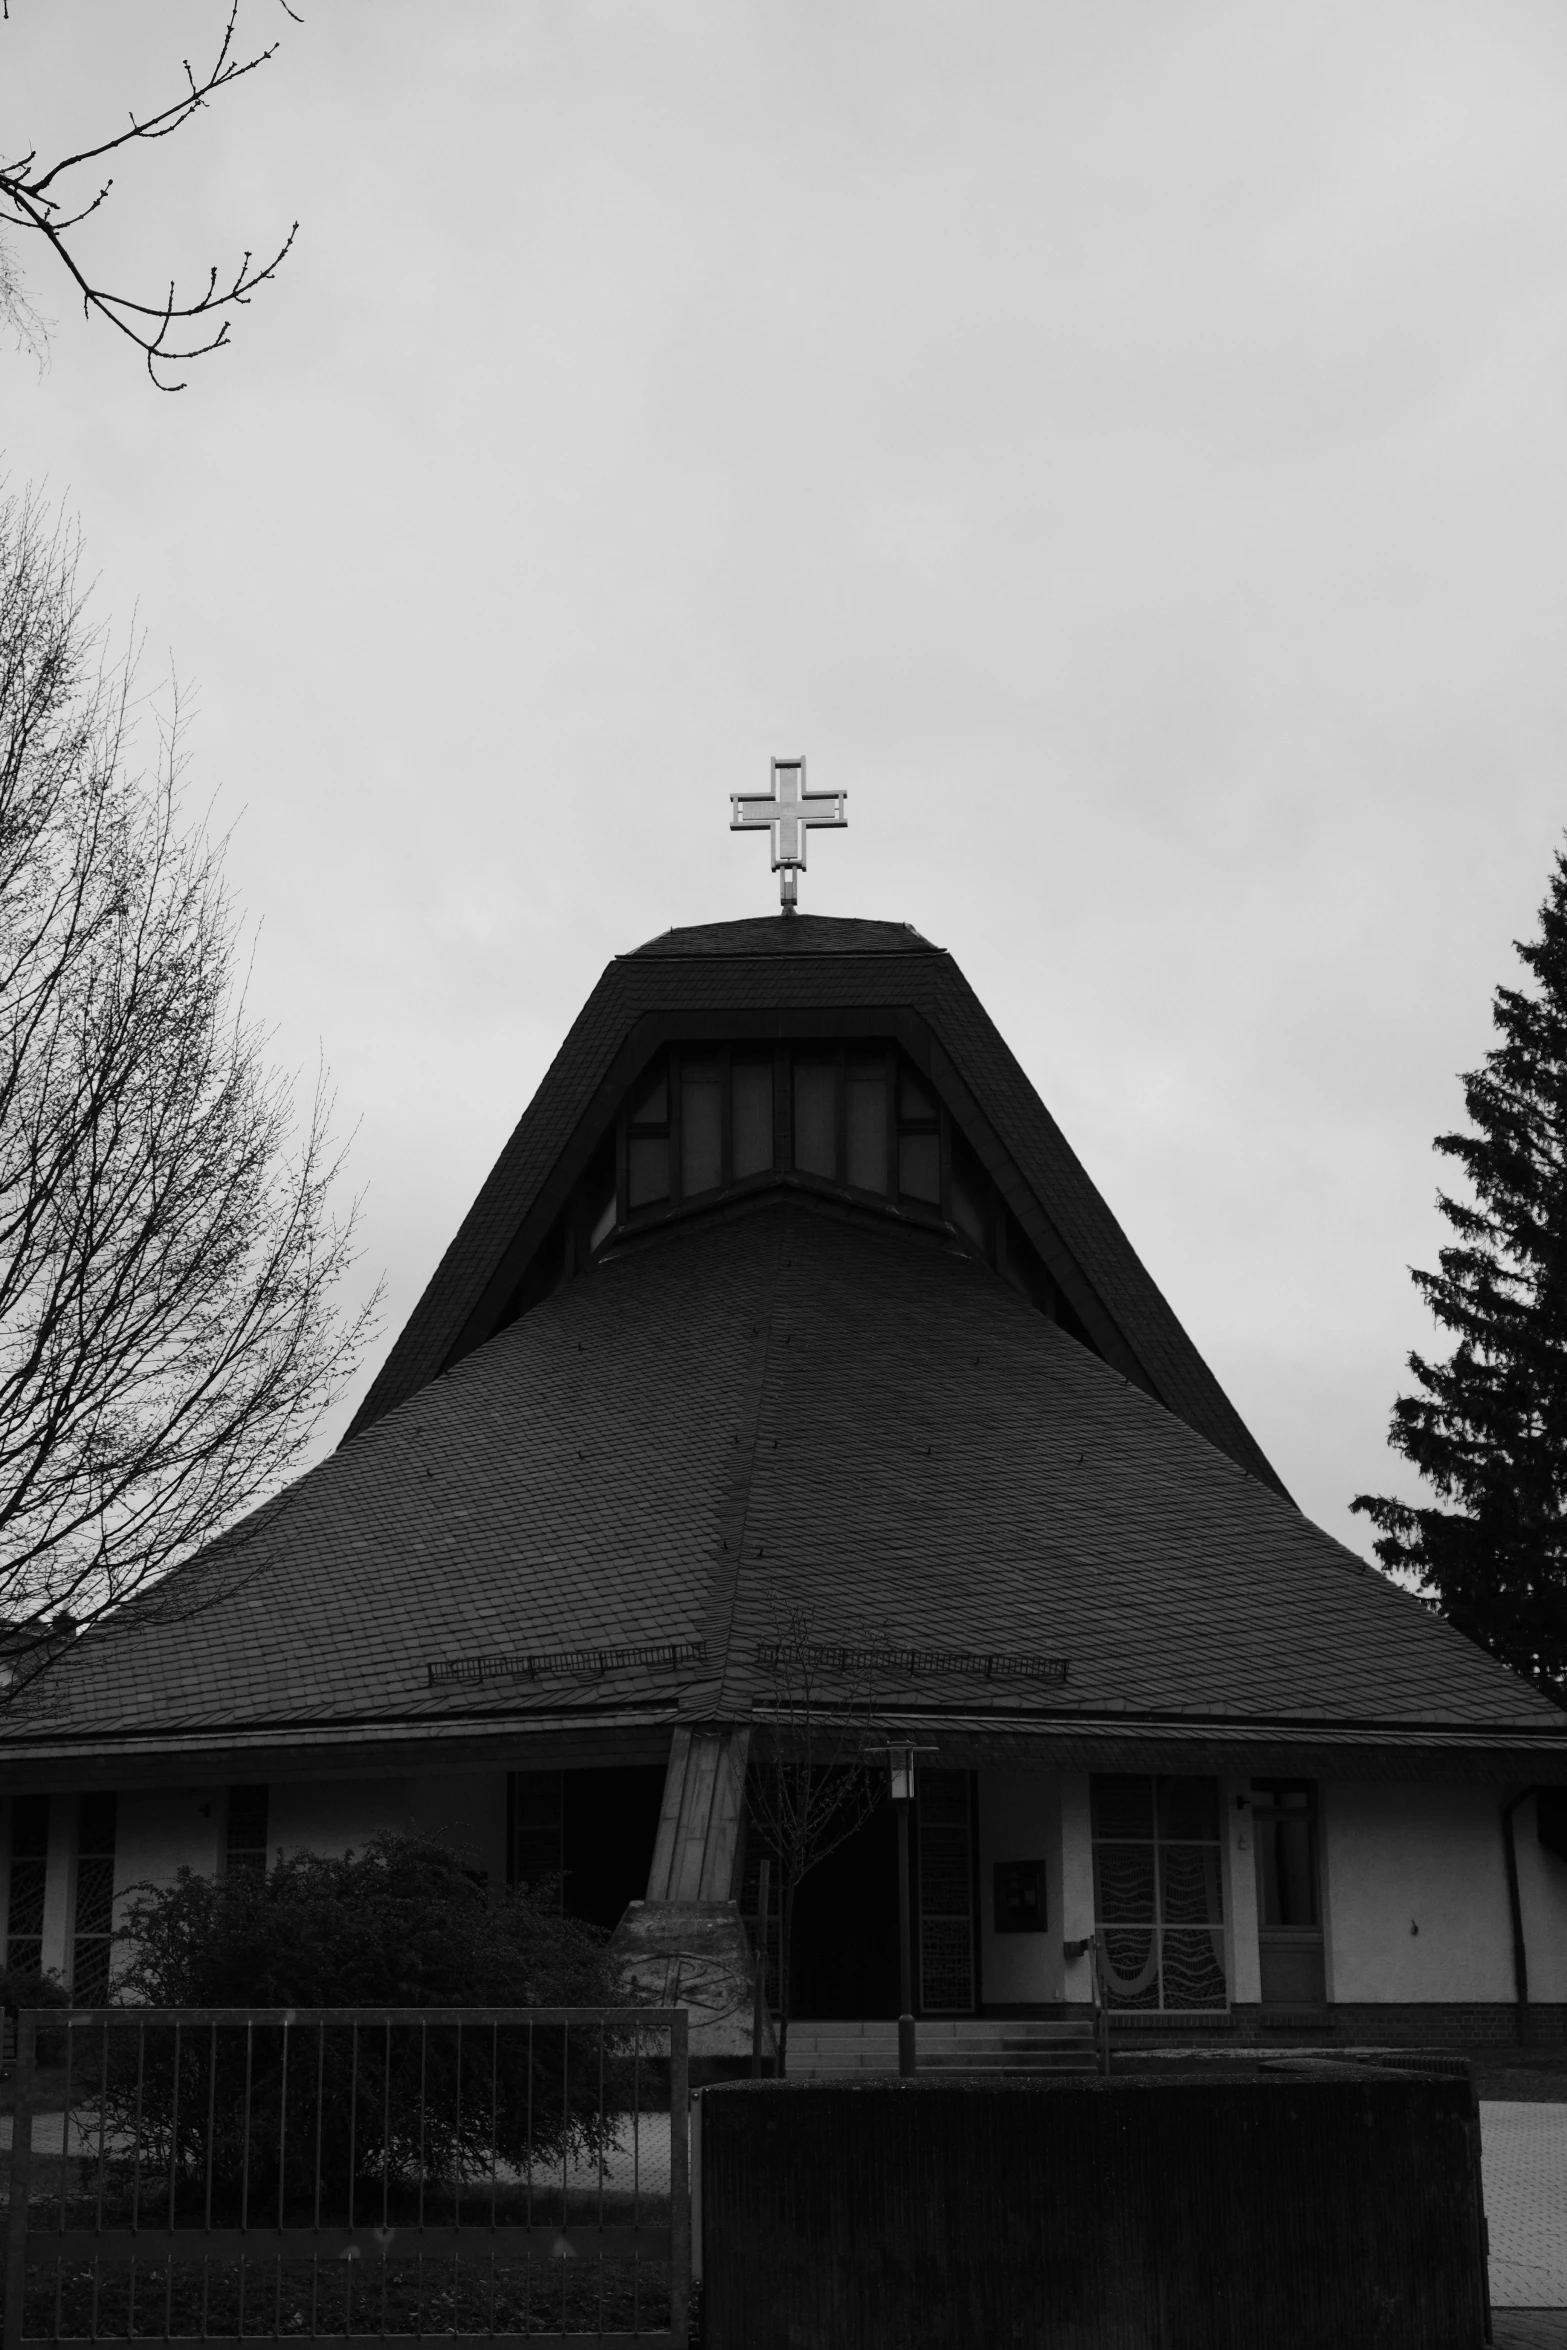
[
  {"x": 647, "y": 1150},
  {"x": 858, "y": 1121},
  {"x": 751, "y": 1083},
  {"x": 705, "y": 1119},
  {"x": 866, "y": 1137},
  {"x": 816, "y": 1116},
  {"x": 919, "y": 1139},
  {"x": 701, "y": 1125}
]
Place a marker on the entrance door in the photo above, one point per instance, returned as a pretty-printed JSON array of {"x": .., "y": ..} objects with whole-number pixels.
[
  {"x": 1289, "y": 1915},
  {"x": 845, "y": 1948},
  {"x": 844, "y": 1962},
  {"x": 944, "y": 1813}
]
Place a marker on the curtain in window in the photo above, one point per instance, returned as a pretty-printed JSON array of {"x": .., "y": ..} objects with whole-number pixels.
[{"x": 1158, "y": 1891}]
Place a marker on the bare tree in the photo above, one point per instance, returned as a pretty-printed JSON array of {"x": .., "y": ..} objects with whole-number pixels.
[
  {"x": 51, "y": 200},
  {"x": 168, "y": 1252},
  {"x": 816, "y": 1772}
]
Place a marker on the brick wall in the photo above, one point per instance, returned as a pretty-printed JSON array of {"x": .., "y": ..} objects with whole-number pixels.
[{"x": 1365, "y": 2024}]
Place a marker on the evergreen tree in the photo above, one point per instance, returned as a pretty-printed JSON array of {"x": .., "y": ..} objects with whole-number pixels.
[{"x": 1488, "y": 1432}]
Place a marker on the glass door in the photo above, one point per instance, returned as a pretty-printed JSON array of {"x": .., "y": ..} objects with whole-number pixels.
[{"x": 1289, "y": 1913}]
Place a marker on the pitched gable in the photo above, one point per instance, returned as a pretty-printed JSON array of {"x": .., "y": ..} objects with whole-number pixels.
[{"x": 805, "y": 977}]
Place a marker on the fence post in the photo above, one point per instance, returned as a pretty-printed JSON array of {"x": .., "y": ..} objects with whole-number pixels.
[
  {"x": 21, "y": 2180},
  {"x": 679, "y": 2179}
]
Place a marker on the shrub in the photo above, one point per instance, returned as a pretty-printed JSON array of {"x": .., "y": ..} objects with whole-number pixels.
[
  {"x": 405, "y": 1923},
  {"x": 258, "y": 2115},
  {"x": 22, "y": 1986}
]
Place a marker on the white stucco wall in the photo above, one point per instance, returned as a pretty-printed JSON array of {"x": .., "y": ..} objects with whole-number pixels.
[
  {"x": 1241, "y": 1964},
  {"x": 1542, "y": 1894},
  {"x": 466, "y": 1809},
  {"x": 1077, "y": 1883},
  {"x": 334, "y": 1816},
  {"x": 160, "y": 1830},
  {"x": 1019, "y": 1819},
  {"x": 1415, "y": 1890},
  {"x": 157, "y": 1832}
]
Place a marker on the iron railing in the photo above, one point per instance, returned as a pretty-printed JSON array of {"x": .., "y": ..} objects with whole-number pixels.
[{"x": 345, "y": 2175}]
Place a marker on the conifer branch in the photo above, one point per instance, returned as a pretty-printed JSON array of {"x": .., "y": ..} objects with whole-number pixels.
[{"x": 1486, "y": 1427}]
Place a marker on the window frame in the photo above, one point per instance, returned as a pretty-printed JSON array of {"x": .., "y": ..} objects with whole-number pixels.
[
  {"x": 846, "y": 1057},
  {"x": 238, "y": 1856},
  {"x": 1157, "y": 1843},
  {"x": 91, "y": 1945},
  {"x": 44, "y": 1812},
  {"x": 1283, "y": 1942}
]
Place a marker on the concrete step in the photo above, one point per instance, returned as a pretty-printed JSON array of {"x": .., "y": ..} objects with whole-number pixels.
[{"x": 966, "y": 2044}]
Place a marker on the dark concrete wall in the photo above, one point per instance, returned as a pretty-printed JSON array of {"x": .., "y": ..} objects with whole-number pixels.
[{"x": 1208, "y": 2214}]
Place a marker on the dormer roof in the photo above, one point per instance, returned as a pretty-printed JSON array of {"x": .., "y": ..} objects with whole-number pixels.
[{"x": 809, "y": 975}]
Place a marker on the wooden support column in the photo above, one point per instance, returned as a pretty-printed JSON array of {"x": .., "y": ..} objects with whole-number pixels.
[
  {"x": 698, "y": 1842},
  {"x": 686, "y": 1945}
]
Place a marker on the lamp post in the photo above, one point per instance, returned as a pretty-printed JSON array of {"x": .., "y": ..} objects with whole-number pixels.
[{"x": 900, "y": 1765}]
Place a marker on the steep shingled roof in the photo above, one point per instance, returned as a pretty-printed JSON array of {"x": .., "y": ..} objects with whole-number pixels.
[
  {"x": 789, "y": 1409},
  {"x": 792, "y": 934},
  {"x": 774, "y": 970}
]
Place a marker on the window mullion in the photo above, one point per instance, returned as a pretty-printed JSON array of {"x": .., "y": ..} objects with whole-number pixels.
[
  {"x": 840, "y": 1093},
  {"x": 674, "y": 1105},
  {"x": 726, "y": 1118}
]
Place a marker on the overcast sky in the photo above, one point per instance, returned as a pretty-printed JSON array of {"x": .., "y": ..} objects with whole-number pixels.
[{"x": 1121, "y": 444}]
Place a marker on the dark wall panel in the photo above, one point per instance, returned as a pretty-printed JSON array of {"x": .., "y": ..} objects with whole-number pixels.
[{"x": 1296, "y": 2212}]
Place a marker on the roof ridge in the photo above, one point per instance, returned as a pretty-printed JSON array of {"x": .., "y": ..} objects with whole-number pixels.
[{"x": 650, "y": 952}]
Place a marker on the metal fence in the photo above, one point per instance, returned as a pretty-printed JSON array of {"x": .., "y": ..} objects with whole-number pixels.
[{"x": 343, "y": 2175}]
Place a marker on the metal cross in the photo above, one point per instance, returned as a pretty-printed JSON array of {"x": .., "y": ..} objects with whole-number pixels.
[{"x": 789, "y": 811}]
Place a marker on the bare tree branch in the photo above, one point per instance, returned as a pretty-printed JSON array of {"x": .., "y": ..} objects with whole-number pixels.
[
  {"x": 168, "y": 1251},
  {"x": 169, "y": 332}
]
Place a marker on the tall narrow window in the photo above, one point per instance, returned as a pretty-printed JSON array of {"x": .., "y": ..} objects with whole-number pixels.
[
  {"x": 24, "y": 1941},
  {"x": 1289, "y": 1920},
  {"x": 970, "y": 1193},
  {"x": 647, "y": 1150},
  {"x": 94, "y": 1900},
  {"x": 1158, "y": 1895},
  {"x": 865, "y": 1121},
  {"x": 537, "y": 1808},
  {"x": 752, "y": 1083},
  {"x": 596, "y": 1205},
  {"x": 946, "y": 1882},
  {"x": 815, "y": 1118},
  {"x": 919, "y": 1140},
  {"x": 245, "y": 1837},
  {"x": 701, "y": 1127}
]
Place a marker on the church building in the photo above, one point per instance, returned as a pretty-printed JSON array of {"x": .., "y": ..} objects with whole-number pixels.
[{"x": 787, "y": 1323}]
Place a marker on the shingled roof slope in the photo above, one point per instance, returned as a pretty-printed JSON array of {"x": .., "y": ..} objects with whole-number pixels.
[
  {"x": 791, "y": 934},
  {"x": 778, "y": 966},
  {"x": 775, "y": 1412}
]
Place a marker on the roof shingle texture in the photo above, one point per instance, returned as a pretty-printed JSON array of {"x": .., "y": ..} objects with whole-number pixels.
[
  {"x": 802, "y": 963},
  {"x": 774, "y": 1415}
]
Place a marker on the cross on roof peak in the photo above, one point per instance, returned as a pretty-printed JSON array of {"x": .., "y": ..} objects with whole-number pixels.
[{"x": 788, "y": 811}]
